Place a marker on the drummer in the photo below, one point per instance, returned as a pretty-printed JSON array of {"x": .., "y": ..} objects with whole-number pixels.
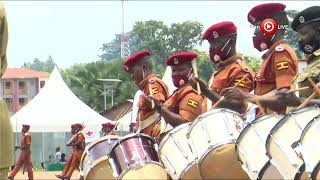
[
  {"x": 307, "y": 24},
  {"x": 107, "y": 129},
  {"x": 185, "y": 104},
  {"x": 139, "y": 67},
  {"x": 231, "y": 69}
]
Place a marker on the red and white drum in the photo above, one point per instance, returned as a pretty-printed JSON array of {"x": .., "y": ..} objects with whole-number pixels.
[
  {"x": 135, "y": 157},
  {"x": 283, "y": 139},
  {"x": 213, "y": 135},
  {"x": 251, "y": 146},
  {"x": 93, "y": 164}
]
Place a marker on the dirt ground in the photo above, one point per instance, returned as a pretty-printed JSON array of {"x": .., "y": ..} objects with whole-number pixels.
[{"x": 46, "y": 175}]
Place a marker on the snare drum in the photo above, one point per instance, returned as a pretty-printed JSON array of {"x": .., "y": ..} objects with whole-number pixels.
[
  {"x": 251, "y": 144},
  {"x": 94, "y": 159},
  {"x": 213, "y": 135},
  {"x": 283, "y": 138},
  {"x": 310, "y": 145},
  {"x": 177, "y": 154},
  {"x": 135, "y": 157}
]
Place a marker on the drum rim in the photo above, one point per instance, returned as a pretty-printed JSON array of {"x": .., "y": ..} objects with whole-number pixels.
[
  {"x": 200, "y": 160},
  {"x": 172, "y": 131},
  {"x": 190, "y": 164},
  {"x": 96, "y": 162},
  {"x": 120, "y": 140},
  {"x": 315, "y": 171},
  {"x": 202, "y": 116},
  {"x": 305, "y": 130},
  {"x": 113, "y": 137},
  {"x": 249, "y": 125},
  {"x": 280, "y": 124},
  {"x": 136, "y": 165}
]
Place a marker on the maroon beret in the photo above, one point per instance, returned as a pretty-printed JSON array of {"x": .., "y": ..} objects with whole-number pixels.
[
  {"x": 181, "y": 58},
  {"x": 76, "y": 125},
  {"x": 108, "y": 124},
  {"x": 219, "y": 29},
  {"x": 264, "y": 11},
  {"x": 134, "y": 58},
  {"x": 25, "y": 125}
]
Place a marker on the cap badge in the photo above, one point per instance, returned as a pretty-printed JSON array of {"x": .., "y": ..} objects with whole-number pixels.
[
  {"x": 215, "y": 34},
  {"x": 301, "y": 19},
  {"x": 175, "y": 61}
]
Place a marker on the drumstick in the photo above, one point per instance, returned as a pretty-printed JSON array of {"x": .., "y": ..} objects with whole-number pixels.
[
  {"x": 314, "y": 85},
  {"x": 313, "y": 95},
  {"x": 299, "y": 89},
  {"x": 195, "y": 72},
  {"x": 222, "y": 97}
]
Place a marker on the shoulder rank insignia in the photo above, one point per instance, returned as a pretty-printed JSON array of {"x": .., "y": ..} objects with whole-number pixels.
[
  {"x": 154, "y": 90},
  {"x": 238, "y": 82},
  {"x": 282, "y": 65},
  {"x": 193, "y": 103}
]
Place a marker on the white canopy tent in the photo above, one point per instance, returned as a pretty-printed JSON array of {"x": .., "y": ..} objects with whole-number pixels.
[{"x": 50, "y": 114}]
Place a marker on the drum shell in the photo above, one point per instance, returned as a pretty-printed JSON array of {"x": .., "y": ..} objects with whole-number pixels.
[
  {"x": 282, "y": 137},
  {"x": 251, "y": 144}
]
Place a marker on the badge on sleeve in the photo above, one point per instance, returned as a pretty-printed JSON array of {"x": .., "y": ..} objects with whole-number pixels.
[
  {"x": 238, "y": 82},
  {"x": 282, "y": 65},
  {"x": 193, "y": 103}
]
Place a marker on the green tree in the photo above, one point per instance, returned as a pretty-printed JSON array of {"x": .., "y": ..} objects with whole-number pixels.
[{"x": 37, "y": 65}]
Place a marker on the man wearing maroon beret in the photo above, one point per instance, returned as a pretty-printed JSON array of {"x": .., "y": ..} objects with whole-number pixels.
[
  {"x": 107, "y": 129},
  {"x": 279, "y": 62},
  {"x": 139, "y": 67},
  {"x": 230, "y": 67},
  {"x": 184, "y": 105},
  {"x": 78, "y": 144},
  {"x": 25, "y": 154}
]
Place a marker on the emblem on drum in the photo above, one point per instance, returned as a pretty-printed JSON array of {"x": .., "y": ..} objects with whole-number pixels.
[
  {"x": 135, "y": 156},
  {"x": 238, "y": 125}
]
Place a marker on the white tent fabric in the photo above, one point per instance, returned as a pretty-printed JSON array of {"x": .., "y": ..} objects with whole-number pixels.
[
  {"x": 55, "y": 108},
  {"x": 132, "y": 115}
]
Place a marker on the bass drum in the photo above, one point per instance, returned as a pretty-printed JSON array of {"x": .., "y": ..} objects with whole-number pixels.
[
  {"x": 94, "y": 160},
  {"x": 310, "y": 145},
  {"x": 283, "y": 139},
  {"x": 251, "y": 145},
  {"x": 178, "y": 155},
  {"x": 213, "y": 135}
]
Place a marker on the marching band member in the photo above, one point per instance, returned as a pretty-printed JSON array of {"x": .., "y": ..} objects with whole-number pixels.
[
  {"x": 231, "y": 69},
  {"x": 25, "y": 154},
  {"x": 107, "y": 129},
  {"x": 279, "y": 62},
  {"x": 78, "y": 144},
  {"x": 307, "y": 24},
  {"x": 139, "y": 67},
  {"x": 185, "y": 104}
]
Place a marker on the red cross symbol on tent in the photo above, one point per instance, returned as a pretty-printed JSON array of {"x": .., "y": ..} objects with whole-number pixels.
[{"x": 89, "y": 133}]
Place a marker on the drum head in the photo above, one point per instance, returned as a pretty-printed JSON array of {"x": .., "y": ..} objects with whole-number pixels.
[
  {"x": 145, "y": 171},
  {"x": 100, "y": 170},
  {"x": 222, "y": 163}
]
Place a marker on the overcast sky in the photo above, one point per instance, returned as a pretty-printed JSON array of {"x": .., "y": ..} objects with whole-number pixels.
[{"x": 74, "y": 31}]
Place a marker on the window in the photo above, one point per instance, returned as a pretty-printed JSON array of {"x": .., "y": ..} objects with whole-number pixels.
[
  {"x": 22, "y": 101},
  {"x": 42, "y": 83},
  {"x": 21, "y": 84},
  {"x": 7, "y": 85}
]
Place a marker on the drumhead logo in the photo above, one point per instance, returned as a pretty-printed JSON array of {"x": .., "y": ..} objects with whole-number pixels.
[{"x": 269, "y": 26}]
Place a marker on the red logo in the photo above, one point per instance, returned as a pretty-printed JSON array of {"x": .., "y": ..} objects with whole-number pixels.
[{"x": 269, "y": 26}]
